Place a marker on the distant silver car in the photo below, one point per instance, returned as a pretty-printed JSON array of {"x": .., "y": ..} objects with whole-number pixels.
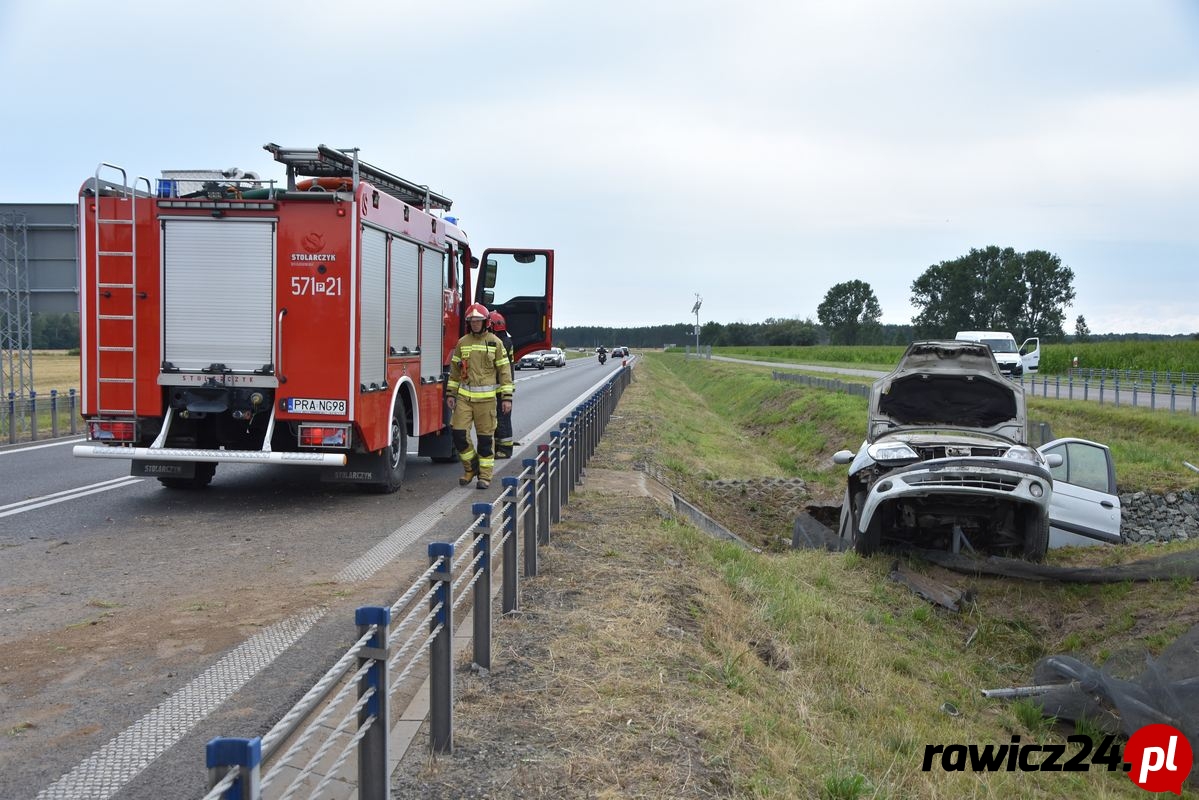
[
  {"x": 946, "y": 464},
  {"x": 531, "y": 361},
  {"x": 554, "y": 357}
]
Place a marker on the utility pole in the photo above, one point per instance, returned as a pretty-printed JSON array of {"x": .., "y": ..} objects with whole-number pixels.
[{"x": 695, "y": 310}]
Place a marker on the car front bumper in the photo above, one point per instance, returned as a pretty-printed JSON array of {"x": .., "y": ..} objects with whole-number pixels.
[{"x": 961, "y": 480}]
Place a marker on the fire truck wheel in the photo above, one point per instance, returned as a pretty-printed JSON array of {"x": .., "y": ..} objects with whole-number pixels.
[
  {"x": 204, "y": 472},
  {"x": 395, "y": 457}
]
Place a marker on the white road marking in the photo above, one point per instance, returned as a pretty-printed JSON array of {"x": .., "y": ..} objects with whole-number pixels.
[
  {"x": 68, "y": 494},
  {"x": 74, "y": 440},
  {"x": 102, "y": 774}
]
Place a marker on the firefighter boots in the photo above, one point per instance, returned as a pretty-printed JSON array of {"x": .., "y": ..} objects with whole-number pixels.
[{"x": 471, "y": 471}]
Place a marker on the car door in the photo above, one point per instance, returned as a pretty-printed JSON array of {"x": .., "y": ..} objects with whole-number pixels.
[
  {"x": 1030, "y": 354},
  {"x": 1085, "y": 508}
]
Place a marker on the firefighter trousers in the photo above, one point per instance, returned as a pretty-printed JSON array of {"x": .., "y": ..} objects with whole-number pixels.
[
  {"x": 503, "y": 431},
  {"x": 477, "y": 460}
]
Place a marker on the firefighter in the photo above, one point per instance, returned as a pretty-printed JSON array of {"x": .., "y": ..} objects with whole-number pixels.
[
  {"x": 480, "y": 373},
  {"x": 503, "y": 428}
]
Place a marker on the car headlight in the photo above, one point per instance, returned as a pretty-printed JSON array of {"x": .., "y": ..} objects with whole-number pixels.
[
  {"x": 1021, "y": 453},
  {"x": 890, "y": 452}
]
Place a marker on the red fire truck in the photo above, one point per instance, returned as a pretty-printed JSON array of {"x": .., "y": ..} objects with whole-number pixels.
[{"x": 227, "y": 319}]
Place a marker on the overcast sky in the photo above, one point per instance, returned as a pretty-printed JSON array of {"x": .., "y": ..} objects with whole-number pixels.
[{"x": 755, "y": 153}]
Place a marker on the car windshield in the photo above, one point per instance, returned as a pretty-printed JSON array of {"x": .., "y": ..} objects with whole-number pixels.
[{"x": 1000, "y": 345}]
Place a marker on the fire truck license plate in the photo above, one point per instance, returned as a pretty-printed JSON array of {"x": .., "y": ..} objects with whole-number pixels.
[{"x": 303, "y": 405}]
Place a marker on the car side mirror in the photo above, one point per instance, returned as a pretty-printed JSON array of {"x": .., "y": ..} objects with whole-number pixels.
[
  {"x": 846, "y": 456},
  {"x": 1054, "y": 459}
]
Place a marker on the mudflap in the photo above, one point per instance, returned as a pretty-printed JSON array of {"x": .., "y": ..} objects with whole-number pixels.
[
  {"x": 359, "y": 468},
  {"x": 163, "y": 469},
  {"x": 437, "y": 446}
]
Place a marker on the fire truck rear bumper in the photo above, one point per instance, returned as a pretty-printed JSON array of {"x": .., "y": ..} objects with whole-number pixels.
[{"x": 214, "y": 456}]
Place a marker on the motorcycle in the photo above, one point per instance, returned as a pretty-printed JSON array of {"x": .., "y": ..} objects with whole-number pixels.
[{"x": 603, "y": 357}]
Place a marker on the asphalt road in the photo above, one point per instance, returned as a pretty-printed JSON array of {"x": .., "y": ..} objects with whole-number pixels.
[{"x": 118, "y": 597}]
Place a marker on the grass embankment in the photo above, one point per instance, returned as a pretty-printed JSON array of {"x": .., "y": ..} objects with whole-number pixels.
[
  {"x": 871, "y": 665},
  {"x": 1173, "y": 356},
  {"x": 653, "y": 661}
]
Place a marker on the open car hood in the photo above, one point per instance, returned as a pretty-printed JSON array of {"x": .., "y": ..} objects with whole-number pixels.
[{"x": 947, "y": 384}]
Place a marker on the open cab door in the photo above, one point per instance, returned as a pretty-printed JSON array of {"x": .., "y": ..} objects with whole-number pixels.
[
  {"x": 519, "y": 284},
  {"x": 1030, "y": 354}
]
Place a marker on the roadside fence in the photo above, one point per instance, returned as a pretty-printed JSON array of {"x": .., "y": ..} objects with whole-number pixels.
[
  {"x": 27, "y": 419},
  {"x": 832, "y": 384},
  {"x": 1174, "y": 397},
  {"x": 509, "y": 531},
  {"x": 1129, "y": 376},
  {"x": 1123, "y": 387}
]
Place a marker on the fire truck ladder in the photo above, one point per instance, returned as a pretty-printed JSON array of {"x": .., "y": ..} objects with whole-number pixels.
[
  {"x": 115, "y": 241},
  {"x": 326, "y": 162}
]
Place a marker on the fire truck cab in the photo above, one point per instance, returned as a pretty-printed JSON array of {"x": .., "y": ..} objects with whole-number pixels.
[{"x": 228, "y": 319}]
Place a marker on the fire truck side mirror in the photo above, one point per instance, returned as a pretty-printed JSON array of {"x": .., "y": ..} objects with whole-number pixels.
[
  {"x": 488, "y": 297},
  {"x": 489, "y": 272}
]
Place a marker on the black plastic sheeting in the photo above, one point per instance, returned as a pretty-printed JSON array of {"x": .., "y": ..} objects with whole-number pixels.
[
  {"x": 1166, "y": 692},
  {"x": 1163, "y": 568},
  {"x": 1117, "y": 698}
]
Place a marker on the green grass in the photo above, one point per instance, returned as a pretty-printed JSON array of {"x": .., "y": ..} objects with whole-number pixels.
[
  {"x": 874, "y": 672},
  {"x": 796, "y": 429}
]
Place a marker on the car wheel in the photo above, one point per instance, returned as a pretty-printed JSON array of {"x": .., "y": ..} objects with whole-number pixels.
[
  {"x": 866, "y": 542},
  {"x": 844, "y": 529},
  {"x": 1036, "y": 539}
]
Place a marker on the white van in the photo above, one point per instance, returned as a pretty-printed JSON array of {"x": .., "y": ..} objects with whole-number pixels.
[{"x": 1012, "y": 360}]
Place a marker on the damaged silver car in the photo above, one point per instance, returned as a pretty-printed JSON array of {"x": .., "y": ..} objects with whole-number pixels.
[{"x": 946, "y": 464}]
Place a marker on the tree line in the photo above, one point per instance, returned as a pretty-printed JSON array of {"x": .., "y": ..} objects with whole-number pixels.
[
  {"x": 991, "y": 288},
  {"x": 49, "y": 331}
]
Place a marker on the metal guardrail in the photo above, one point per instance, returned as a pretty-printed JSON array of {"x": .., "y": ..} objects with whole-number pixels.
[
  {"x": 27, "y": 419},
  {"x": 832, "y": 384},
  {"x": 1143, "y": 376},
  {"x": 530, "y": 503},
  {"x": 1174, "y": 397},
  {"x": 1177, "y": 397}
]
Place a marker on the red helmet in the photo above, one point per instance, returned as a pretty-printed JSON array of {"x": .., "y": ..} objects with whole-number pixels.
[
  {"x": 497, "y": 322},
  {"x": 477, "y": 311}
]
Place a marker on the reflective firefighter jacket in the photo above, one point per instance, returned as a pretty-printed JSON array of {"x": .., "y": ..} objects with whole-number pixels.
[{"x": 480, "y": 368}]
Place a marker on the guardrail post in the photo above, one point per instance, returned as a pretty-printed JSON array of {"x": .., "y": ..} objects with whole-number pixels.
[
  {"x": 12, "y": 418},
  {"x": 530, "y": 517},
  {"x": 576, "y": 449},
  {"x": 441, "y": 677},
  {"x": 32, "y": 416},
  {"x": 564, "y": 462},
  {"x": 73, "y": 410},
  {"x": 54, "y": 413},
  {"x": 1117, "y": 391},
  {"x": 224, "y": 754},
  {"x": 543, "y": 495},
  {"x": 373, "y": 775},
  {"x": 1194, "y": 396},
  {"x": 509, "y": 597},
  {"x": 482, "y": 612},
  {"x": 555, "y": 476}
]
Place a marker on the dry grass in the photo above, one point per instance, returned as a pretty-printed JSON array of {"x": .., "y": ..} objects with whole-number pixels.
[
  {"x": 652, "y": 661},
  {"x": 54, "y": 369}
]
